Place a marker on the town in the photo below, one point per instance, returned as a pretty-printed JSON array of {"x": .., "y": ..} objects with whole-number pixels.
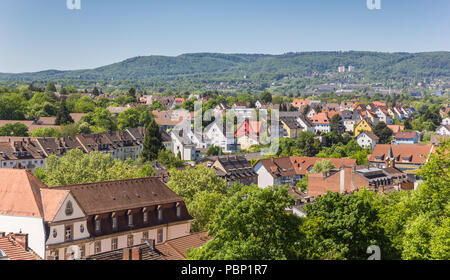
[
  {"x": 224, "y": 139},
  {"x": 342, "y": 145}
]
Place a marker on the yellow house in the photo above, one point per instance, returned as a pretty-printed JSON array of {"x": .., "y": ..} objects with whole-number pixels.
[
  {"x": 291, "y": 127},
  {"x": 363, "y": 125}
]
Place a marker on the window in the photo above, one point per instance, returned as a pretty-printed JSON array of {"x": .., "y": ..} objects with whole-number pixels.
[
  {"x": 82, "y": 251},
  {"x": 160, "y": 214},
  {"x": 54, "y": 233},
  {"x": 114, "y": 222},
  {"x": 114, "y": 243},
  {"x": 160, "y": 235},
  {"x": 81, "y": 228},
  {"x": 130, "y": 220},
  {"x": 56, "y": 254},
  {"x": 130, "y": 240},
  {"x": 178, "y": 211},
  {"x": 98, "y": 247},
  {"x": 98, "y": 224},
  {"x": 145, "y": 235},
  {"x": 145, "y": 217},
  {"x": 68, "y": 233}
]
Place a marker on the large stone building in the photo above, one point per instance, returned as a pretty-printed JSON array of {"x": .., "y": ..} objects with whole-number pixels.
[{"x": 89, "y": 219}]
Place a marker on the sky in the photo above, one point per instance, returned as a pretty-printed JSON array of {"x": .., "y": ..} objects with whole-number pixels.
[{"x": 38, "y": 35}]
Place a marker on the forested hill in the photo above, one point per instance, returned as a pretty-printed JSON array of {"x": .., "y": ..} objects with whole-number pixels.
[{"x": 256, "y": 66}]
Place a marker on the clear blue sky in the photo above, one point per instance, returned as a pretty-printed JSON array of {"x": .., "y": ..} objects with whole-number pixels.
[{"x": 44, "y": 34}]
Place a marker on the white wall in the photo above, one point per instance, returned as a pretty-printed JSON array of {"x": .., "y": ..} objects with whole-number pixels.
[
  {"x": 34, "y": 227},
  {"x": 265, "y": 179}
]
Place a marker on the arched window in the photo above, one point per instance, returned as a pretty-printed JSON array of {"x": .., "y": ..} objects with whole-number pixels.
[{"x": 69, "y": 208}]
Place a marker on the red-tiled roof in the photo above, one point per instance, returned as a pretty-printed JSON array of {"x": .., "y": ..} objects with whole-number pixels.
[
  {"x": 406, "y": 135},
  {"x": 14, "y": 251},
  {"x": 175, "y": 249},
  {"x": 418, "y": 154}
]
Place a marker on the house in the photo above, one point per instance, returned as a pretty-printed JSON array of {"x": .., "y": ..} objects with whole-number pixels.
[
  {"x": 437, "y": 139},
  {"x": 174, "y": 249},
  {"x": 348, "y": 179},
  {"x": 290, "y": 170},
  {"x": 300, "y": 103},
  {"x": 291, "y": 128},
  {"x": 396, "y": 128},
  {"x": 363, "y": 125},
  {"x": 384, "y": 115},
  {"x": 167, "y": 120},
  {"x": 408, "y": 157},
  {"x": 321, "y": 122},
  {"x": 411, "y": 137},
  {"x": 14, "y": 246},
  {"x": 445, "y": 121},
  {"x": 88, "y": 219},
  {"x": 367, "y": 140},
  {"x": 215, "y": 134},
  {"x": 183, "y": 146},
  {"x": 25, "y": 153},
  {"x": 247, "y": 133},
  {"x": 443, "y": 130},
  {"x": 349, "y": 118},
  {"x": 235, "y": 169},
  {"x": 346, "y": 106}
]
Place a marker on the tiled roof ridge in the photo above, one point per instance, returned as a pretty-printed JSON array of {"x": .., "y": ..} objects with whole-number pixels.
[{"x": 107, "y": 181}]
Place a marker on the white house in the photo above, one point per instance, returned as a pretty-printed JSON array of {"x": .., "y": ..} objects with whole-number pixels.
[
  {"x": 367, "y": 140},
  {"x": 443, "y": 130}
]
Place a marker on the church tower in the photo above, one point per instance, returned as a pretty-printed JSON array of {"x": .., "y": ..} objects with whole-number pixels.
[{"x": 390, "y": 159}]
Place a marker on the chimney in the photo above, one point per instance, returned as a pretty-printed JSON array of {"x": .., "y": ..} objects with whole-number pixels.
[
  {"x": 126, "y": 254},
  {"x": 150, "y": 243},
  {"x": 22, "y": 239},
  {"x": 136, "y": 254}
]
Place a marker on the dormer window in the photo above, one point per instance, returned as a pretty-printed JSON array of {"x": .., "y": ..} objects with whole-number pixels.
[
  {"x": 130, "y": 219},
  {"x": 178, "y": 210},
  {"x": 114, "y": 221},
  {"x": 98, "y": 224},
  {"x": 145, "y": 216},
  {"x": 160, "y": 213}
]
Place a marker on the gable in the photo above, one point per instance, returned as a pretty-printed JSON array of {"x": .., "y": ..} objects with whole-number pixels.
[{"x": 77, "y": 212}]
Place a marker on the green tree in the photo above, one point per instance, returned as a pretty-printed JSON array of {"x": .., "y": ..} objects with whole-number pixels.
[
  {"x": 45, "y": 132},
  {"x": 169, "y": 160},
  {"x": 336, "y": 124},
  {"x": 252, "y": 225},
  {"x": 342, "y": 226},
  {"x": 214, "y": 151},
  {"x": 12, "y": 106},
  {"x": 14, "y": 129},
  {"x": 266, "y": 97},
  {"x": 152, "y": 142},
  {"x": 190, "y": 181},
  {"x": 76, "y": 167},
  {"x": 383, "y": 132},
  {"x": 63, "y": 115},
  {"x": 322, "y": 166}
]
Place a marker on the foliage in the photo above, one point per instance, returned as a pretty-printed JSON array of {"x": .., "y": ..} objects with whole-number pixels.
[
  {"x": 383, "y": 132},
  {"x": 76, "y": 167},
  {"x": 342, "y": 226},
  {"x": 134, "y": 117},
  {"x": 14, "y": 129},
  {"x": 45, "y": 132},
  {"x": 322, "y": 166},
  {"x": 152, "y": 142},
  {"x": 169, "y": 160},
  {"x": 252, "y": 225},
  {"x": 12, "y": 106},
  {"x": 214, "y": 151},
  {"x": 63, "y": 115}
]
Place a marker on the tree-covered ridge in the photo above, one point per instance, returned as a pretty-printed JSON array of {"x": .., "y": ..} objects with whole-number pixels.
[{"x": 255, "y": 66}]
